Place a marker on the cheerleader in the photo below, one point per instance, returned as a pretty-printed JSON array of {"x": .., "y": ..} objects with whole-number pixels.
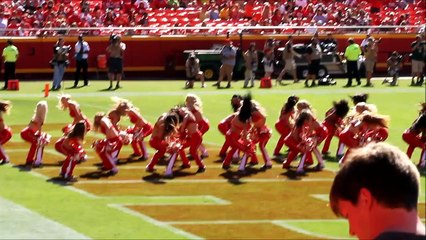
[
  {"x": 75, "y": 112},
  {"x": 109, "y": 148},
  {"x": 261, "y": 134},
  {"x": 73, "y": 107},
  {"x": 163, "y": 134},
  {"x": 73, "y": 147},
  {"x": 225, "y": 124},
  {"x": 33, "y": 134},
  {"x": 237, "y": 136},
  {"x": 415, "y": 137},
  {"x": 5, "y": 131},
  {"x": 333, "y": 122},
  {"x": 195, "y": 106},
  {"x": 297, "y": 140},
  {"x": 369, "y": 127},
  {"x": 191, "y": 137},
  {"x": 285, "y": 122},
  {"x": 140, "y": 130}
]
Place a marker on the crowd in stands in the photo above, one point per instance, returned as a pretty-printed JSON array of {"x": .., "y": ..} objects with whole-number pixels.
[{"x": 41, "y": 17}]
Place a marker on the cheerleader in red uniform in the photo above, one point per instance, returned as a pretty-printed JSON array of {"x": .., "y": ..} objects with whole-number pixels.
[
  {"x": 316, "y": 134},
  {"x": 297, "y": 140},
  {"x": 140, "y": 130},
  {"x": 334, "y": 121},
  {"x": 415, "y": 137},
  {"x": 285, "y": 122},
  {"x": 195, "y": 106},
  {"x": 163, "y": 134},
  {"x": 191, "y": 137},
  {"x": 5, "y": 131},
  {"x": 368, "y": 127},
  {"x": 109, "y": 148},
  {"x": 73, "y": 146},
  {"x": 225, "y": 124},
  {"x": 65, "y": 103},
  {"x": 357, "y": 99},
  {"x": 237, "y": 136},
  {"x": 33, "y": 134},
  {"x": 262, "y": 133}
]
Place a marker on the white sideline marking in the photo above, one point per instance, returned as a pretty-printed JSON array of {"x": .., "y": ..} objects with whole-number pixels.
[
  {"x": 215, "y": 92},
  {"x": 285, "y": 224},
  {"x": 254, "y": 221},
  {"x": 18, "y": 222},
  {"x": 256, "y": 180},
  {"x": 121, "y": 208}
]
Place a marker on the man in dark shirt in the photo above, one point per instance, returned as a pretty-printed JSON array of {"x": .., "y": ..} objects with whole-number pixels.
[{"x": 377, "y": 190}]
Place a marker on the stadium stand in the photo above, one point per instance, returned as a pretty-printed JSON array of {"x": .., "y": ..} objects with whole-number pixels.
[{"x": 42, "y": 18}]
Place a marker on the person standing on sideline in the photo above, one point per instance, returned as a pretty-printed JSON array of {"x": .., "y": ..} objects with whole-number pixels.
[
  {"x": 313, "y": 54},
  {"x": 81, "y": 55},
  {"x": 377, "y": 191},
  {"x": 193, "y": 72},
  {"x": 370, "y": 54},
  {"x": 10, "y": 55},
  {"x": 418, "y": 55},
  {"x": 115, "y": 51},
  {"x": 251, "y": 61},
  {"x": 289, "y": 61},
  {"x": 229, "y": 54},
  {"x": 59, "y": 62},
  {"x": 352, "y": 53}
]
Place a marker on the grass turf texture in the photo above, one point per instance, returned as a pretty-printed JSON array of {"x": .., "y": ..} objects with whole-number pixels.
[{"x": 92, "y": 216}]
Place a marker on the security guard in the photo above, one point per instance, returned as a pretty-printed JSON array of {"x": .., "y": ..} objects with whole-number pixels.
[
  {"x": 352, "y": 53},
  {"x": 10, "y": 55}
]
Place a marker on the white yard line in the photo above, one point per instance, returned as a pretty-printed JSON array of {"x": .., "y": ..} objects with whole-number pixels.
[
  {"x": 18, "y": 222},
  {"x": 197, "y": 181},
  {"x": 122, "y": 208}
]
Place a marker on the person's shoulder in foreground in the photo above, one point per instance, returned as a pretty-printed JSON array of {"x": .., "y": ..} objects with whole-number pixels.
[{"x": 377, "y": 191}]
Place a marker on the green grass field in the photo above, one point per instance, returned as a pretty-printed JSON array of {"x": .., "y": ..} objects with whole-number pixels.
[{"x": 105, "y": 214}]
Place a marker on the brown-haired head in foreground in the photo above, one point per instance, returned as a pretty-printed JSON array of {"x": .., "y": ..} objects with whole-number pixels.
[{"x": 384, "y": 170}]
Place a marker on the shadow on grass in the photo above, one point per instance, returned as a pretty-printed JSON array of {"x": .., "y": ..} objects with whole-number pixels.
[
  {"x": 234, "y": 177},
  {"x": 293, "y": 175},
  {"x": 96, "y": 175},
  {"x": 60, "y": 181},
  {"x": 23, "y": 167}
]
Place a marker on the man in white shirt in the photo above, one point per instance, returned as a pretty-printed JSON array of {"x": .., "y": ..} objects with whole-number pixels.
[{"x": 81, "y": 54}]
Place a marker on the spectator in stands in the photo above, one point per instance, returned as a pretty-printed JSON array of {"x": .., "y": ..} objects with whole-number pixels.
[
  {"x": 313, "y": 55},
  {"x": 352, "y": 53},
  {"x": 10, "y": 56},
  {"x": 214, "y": 12},
  {"x": 248, "y": 9},
  {"x": 418, "y": 55},
  {"x": 82, "y": 49},
  {"x": 224, "y": 12},
  {"x": 320, "y": 16},
  {"x": 277, "y": 18},
  {"x": 193, "y": 72},
  {"x": 377, "y": 191},
  {"x": 370, "y": 54},
  {"x": 115, "y": 51},
  {"x": 301, "y": 3},
  {"x": 229, "y": 54},
  {"x": 3, "y": 23},
  {"x": 59, "y": 62}
]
